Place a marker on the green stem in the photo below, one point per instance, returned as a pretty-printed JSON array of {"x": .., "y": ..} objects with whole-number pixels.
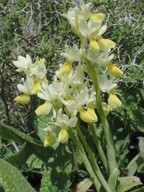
[
  {"x": 99, "y": 148},
  {"x": 107, "y": 132},
  {"x": 93, "y": 161},
  {"x": 85, "y": 159}
]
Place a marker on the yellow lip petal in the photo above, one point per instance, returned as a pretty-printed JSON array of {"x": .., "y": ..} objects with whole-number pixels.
[
  {"x": 106, "y": 44},
  {"x": 43, "y": 109},
  {"x": 65, "y": 69},
  {"x": 23, "y": 98},
  {"x": 49, "y": 140},
  {"x": 35, "y": 88},
  {"x": 114, "y": 70},
  {"x": 94, "y": 46},
  {"x": 63, "y": 136},
  {"x": 97, "y": 17},
  {"x": 114, "y": 101},
  {"x": 88, "y": 116}
]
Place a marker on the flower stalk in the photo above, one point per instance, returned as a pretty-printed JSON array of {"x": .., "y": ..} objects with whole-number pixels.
[
  {"x": 99, "y": 148},
  {"x": 94, "y": 164},
  {"x": 107, "y": 132},
  {"x": 85, "y": 159}
]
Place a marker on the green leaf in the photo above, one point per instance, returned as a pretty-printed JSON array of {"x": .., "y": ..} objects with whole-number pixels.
[
  {"x": 34, "y": 162},
  {"x": 134, "y": 164},
  {"x": 41, "y": 152},
  {"x": 84, "y": 185},
  {"x": 56, "y": 176},
  {"x": 112, "y": 182},
  {"x": 12, "y": 180},
  {"x": 33, "y": 145},
  {"x": 126, "y": 183},
  {"x": 10, "y": 133},
  {"x": 20, "y": 157}
]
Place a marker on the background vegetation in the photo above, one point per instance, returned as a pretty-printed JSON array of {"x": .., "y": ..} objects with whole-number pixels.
[{"x": 38, "y": 29}]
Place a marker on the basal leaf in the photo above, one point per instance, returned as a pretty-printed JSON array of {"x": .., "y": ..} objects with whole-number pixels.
[
  {"x": 31, "y": 146},
  {"x": 43, "y": 153},
  {"x": 12, "y": 180},
  {"x": 20, "y": 157},
  {"x": 10, "y": 133}
]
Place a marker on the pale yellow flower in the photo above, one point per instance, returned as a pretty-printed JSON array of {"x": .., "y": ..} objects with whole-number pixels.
[
  {"x": 38, "y": 70},
  {"x": 23, "y": 63}
]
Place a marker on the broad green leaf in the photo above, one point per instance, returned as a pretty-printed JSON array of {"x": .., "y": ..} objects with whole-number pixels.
[
  {"x": 126, "y": 183},
  {"x": 20, "y": 157},
  {"x": 41, "y": 152},
  {"x": 34, "y": 162},
  {"x": 84, "y": 185},
  {"x": 56, "y": 176},
  {"x": 35, "y": 147},
  {"x": 12, "y": 180},
  {"x": 10, "y": 133}
]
